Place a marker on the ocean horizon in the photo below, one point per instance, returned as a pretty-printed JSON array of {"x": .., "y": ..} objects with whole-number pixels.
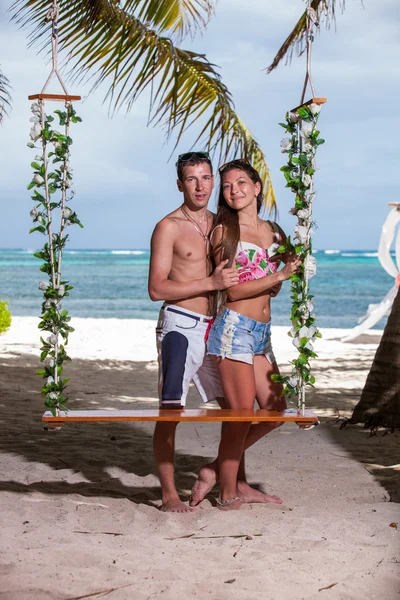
[{"x": 112, "y": 283}]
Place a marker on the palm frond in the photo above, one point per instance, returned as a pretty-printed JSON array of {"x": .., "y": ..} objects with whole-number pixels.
[
  {"x": 185, "y": 87},
  {"x": 326, "y": 11},
  {"x": 5, "y": 96},
  {"x": 181, "y": 17}
]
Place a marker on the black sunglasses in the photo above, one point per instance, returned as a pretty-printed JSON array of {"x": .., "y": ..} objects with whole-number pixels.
[
  {"x": 237, "y": 162},
  {"x": 193, "y": 156}
]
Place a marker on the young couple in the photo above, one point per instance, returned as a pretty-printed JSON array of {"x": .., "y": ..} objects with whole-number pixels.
[{"x": 231, "y": 359}]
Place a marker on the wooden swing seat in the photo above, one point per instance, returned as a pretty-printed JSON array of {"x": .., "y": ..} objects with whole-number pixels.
[
  {"x": 302, "y": 418},
  {"x": 55, "y": 97}
]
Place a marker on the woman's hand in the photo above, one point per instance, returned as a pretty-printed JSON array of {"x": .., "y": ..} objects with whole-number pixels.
[{"x": 291, "y": 267}]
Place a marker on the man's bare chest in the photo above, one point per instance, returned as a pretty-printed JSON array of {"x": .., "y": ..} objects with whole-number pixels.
[{"x": 191, "y": 248}]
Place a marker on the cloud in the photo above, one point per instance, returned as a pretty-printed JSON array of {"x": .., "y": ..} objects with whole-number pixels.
[{"x": 121, "y": 166}]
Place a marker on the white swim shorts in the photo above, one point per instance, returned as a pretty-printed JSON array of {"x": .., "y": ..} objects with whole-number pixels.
[{"x": 181, "y": 345}]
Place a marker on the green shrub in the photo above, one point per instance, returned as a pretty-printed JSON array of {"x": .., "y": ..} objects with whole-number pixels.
[{"x": 5, "y": 317}]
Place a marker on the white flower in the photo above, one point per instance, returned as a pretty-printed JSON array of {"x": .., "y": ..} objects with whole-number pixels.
[
  {"x": 40, "y": 219},
  {"x": 57, "y": 145},
  {"x": 310, "y": 265},
  {"x": 38, "y": 179},
  {"x": 65, "y": 167},
  {"x": 67, "y": 212},
  {"x": 35, "y": 108},
  {"x": 306, "y": 308},
  {"x": 314, "y": 109},
  {"x": 301, "y": 233},
  {"x": 286, "y": 144},
  {"x": 307, "y": 332},
  {"x": 47, "y": 304},
  {"x": 49, "y": 361},
  {"x": 67, "y": 183},
  {"x": 61, "y": 290},
  {"x": 43, "y": 285},
  {"x": 36, "y": 131},
  {"x": 309, "y": 346},
  {"x": 308, "y": 147},
  {"x": 304, "y": 213},
  {"x": 33, "y": 212},
  {"x": 52, "y": 339},
  {"x": 50, "y": 380},
  {"x": 296, "y": 342},
  {"x": 53, "y": 395},
  {"x": 306, "y": 179},
  {"x": 34, "y": 120},
  {"x": 293, "y": 332},
  {"x": 306, "y": 130},
  {"x": 293, "y": 381},
  {"x": 293, "y": 117}
]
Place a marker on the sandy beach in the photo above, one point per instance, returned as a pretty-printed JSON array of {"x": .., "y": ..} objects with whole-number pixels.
[{"x": 79, "y": 507}]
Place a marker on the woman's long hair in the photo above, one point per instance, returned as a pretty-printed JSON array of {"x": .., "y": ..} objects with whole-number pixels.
[{"x": 228, "y": 218}]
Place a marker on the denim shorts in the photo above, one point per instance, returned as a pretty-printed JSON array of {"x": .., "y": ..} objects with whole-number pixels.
[{"x": 238, "y": 337}]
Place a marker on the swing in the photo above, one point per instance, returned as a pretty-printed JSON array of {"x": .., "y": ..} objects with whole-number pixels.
[{"x": 53, "y": 351}]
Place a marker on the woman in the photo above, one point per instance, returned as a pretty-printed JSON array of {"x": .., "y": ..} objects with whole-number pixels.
[{"x": 240, "y": 336}]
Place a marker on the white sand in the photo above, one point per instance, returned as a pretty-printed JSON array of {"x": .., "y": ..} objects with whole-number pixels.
[{"x": 79, "y": 513}]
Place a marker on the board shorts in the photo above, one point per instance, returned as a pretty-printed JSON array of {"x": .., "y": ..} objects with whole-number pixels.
[
  {"x": 237, "y": 337},
  {"x": 181, "y": 345}
]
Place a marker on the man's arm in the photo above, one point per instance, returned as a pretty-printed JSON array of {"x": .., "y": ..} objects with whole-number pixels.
[{"x": 162, "y": 288}]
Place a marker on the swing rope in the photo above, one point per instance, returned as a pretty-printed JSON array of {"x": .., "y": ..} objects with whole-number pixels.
[
  {"x": 52, "y": 15},
  {"x": 312, "y": 20}
]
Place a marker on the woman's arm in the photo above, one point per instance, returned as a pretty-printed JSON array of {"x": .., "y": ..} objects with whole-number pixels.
[{"x": 250, "y": 289}]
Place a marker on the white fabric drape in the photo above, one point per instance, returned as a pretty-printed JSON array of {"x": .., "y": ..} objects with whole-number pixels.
[{"x": 377, "y": 311}]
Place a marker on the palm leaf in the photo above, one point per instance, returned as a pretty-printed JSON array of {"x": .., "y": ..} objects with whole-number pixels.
[
  {"x": 326, "y": 11},
  {"x": 181, "y": 17},
  {"x": 112, "y": 44},
  {"x": 5, "y": 97}
]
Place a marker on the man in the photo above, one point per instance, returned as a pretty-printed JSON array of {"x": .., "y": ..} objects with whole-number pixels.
[{"x": 180, "y": 275}]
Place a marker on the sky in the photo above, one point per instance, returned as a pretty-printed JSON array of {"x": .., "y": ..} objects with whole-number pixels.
[{"x": 124, "y": 179}]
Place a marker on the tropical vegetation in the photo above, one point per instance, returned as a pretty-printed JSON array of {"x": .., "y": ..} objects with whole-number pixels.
[{"x": 5, "y": 316}]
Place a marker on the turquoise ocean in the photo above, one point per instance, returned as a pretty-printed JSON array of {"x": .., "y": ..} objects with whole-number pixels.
[{"x": 113, "y": 283}]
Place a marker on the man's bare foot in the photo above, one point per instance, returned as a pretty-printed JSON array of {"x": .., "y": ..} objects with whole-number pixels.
[
  {"x": 205, "y": 482},
  {"x": 249, "y": 495},
  {"x": 175, "y": 506},
  {"x": 233, "y": 504}
]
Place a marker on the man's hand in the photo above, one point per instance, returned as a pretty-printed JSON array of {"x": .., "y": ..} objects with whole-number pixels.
[
  {"x": 274, "y": 291},
  {"x": 223, "y": 278}
]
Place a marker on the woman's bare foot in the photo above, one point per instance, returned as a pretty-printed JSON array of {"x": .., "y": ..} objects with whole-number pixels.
[
  {"x": 233, "y": 504},
  {"x": 175, "y": 506},
  {"x": 249, "y": 495},
  {"x": 204, "y": 483}
]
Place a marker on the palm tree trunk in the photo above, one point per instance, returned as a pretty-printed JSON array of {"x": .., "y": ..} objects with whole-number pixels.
[{"x": 379, "y": 404}]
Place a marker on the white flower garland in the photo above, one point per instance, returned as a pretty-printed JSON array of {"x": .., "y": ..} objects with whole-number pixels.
[
  {"x": 45, "y": 184},
  {"x": 299, "y": 171}
]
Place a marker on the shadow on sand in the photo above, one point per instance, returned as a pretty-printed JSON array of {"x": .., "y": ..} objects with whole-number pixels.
[{"x": 128, "y": 446}]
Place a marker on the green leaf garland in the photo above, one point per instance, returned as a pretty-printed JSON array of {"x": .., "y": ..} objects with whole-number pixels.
[
  {"x": 301, "y": 146},
  {"x": 51, "y": 185}
]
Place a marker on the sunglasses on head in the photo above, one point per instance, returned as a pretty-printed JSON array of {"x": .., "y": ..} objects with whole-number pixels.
[
  {"x": 237, "y": 162},
  {"x": 193, "y": 156}
]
